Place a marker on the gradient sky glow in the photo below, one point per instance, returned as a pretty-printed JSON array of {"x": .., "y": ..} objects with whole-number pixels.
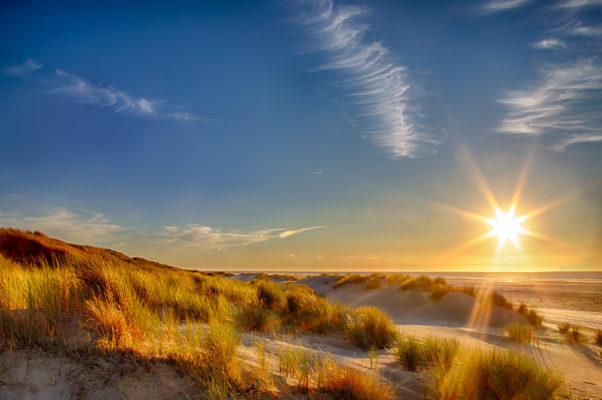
[{"x": 306, "y": 135}]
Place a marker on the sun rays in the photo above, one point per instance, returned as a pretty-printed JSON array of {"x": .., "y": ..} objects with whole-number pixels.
[{"x": 506, "y": 223}]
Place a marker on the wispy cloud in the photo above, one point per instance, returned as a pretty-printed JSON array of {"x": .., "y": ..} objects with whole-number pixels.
[
  {"x": 564, "y": 105},
  {"x": 207, "y": 238},
  {"x": 292, "y": 232},
  {"x": 497, "y": 6},
  {"x": 23, "y": 68},
  {"x": 74, "y": 226},
  {"x": 376, "y": 89},
  {"x": 82, "y": 91},
  {"x": 575, "y": 139},
  {"x": 550, "y": 44},
  {"x": 585, "y": 31},
  {"x": 579, "y": 3}
]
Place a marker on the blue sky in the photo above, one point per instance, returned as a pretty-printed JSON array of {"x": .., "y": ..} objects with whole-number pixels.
[{"x": 304, "y": 135}]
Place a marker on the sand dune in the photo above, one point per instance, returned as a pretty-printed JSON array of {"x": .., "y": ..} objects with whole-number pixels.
[
  {"x": 460, "y": 316},
  {"x": 414, "y": 307}
]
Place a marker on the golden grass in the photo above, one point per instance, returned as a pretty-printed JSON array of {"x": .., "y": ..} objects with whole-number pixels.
[
  {"x": 572, "y": 333},
  {"x": 518, "y": 333},
  {"x": 432, "y": 352},
  {"x": 492, "y": 374},
  {"x": 368, "y": 327},
  {"x": 349, "y": 384},
  {"x": 374, "y": 281},
  {"x": 349, "y": 278}
]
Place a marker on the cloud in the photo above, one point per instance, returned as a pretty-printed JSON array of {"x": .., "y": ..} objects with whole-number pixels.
[
  {"x": 586, "y": 31},
  {"x": 82, "y": 91},
  {"x": 203, "y": 237},
  {"x": 565, "y": 105},
  {"x": 23, "y": 68},
  {"x": 550, "y": 44},
  {"x": 497, "y": 6},
  {"x": 376, "y": 90},
  {"x": 575, "y": 139},
  {"x": 292, "y": 232},
  {"x": 579, "y": 3},
  {"x": 73, "y": 226}
]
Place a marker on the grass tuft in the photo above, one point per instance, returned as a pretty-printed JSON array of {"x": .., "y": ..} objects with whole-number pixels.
[
  {"x": 518, "y": 333},
  {"x": 433, "y": 352},
  {"x": 349, "y": 278},
  {"x": 409, "y": 353},
  {"x": 369, "y": 327},
  {"x": 572, "y": 333},
  {"x": 349, "y": 384}
]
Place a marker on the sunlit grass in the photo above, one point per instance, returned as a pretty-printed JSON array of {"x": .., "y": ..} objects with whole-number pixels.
[
  {"x": 369, "y": 327},
  {"x": 572, "y": 333},
  {"x": 432, "y": 352},
  {"x": 491, "y": 374},
  {"x": 518, "y": 333}
]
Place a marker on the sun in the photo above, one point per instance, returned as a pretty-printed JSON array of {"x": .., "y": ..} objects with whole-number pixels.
[{"x": 506, "y": 226}]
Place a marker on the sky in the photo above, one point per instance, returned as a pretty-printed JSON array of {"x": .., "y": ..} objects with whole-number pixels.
[{"x": 307, "y": 135}]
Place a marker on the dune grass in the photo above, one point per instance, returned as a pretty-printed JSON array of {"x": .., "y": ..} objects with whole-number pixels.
[
  {"x": 518, "y": 333},
  {"x": 368, "y": 327},
  {"x": 492, "y": 374},
  {"x": 409, "y": 353},
  {"x": 349, "y": 279},
  {"x": 374, "y": 281},
  {"x": 319, "y": 373},
  {"x": 432, "y": 352},
  {"x": 530, "y": 315},
  {"x": 349, "y": 384},
  {"x": 572, "y": 333}
]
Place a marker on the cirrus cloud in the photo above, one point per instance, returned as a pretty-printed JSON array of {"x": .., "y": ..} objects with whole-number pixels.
[
  {"x": 376, "y": 90},
  {"x": 202, "y": 237}
]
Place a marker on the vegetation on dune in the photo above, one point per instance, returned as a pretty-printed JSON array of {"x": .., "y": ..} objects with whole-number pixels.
[
  {"x": 348, "y": 279},
  {"x": 432, "y": 352},
  {"x": 438, "y": 288},
  {"x": 518, "y": 333},
  {"x": 408, "y": 353},
  {"x": 530, "y": 315},
  {"x": 492, "y": 374},
  {"x": 368, "y": 327},
  {"x": 475, "y": 374},
  {"x": 322, "y": 374},
  {"x": 374, "y": 281},
  {"x": 572, "y": 333},
  {"x": 349, "y": 384}
]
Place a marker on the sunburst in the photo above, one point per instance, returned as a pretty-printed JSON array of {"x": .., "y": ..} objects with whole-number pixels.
[{"x": 506, "y": 226}]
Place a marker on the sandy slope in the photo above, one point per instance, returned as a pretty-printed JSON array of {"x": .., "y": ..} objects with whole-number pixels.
[{"x": 34, "y": 375}]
